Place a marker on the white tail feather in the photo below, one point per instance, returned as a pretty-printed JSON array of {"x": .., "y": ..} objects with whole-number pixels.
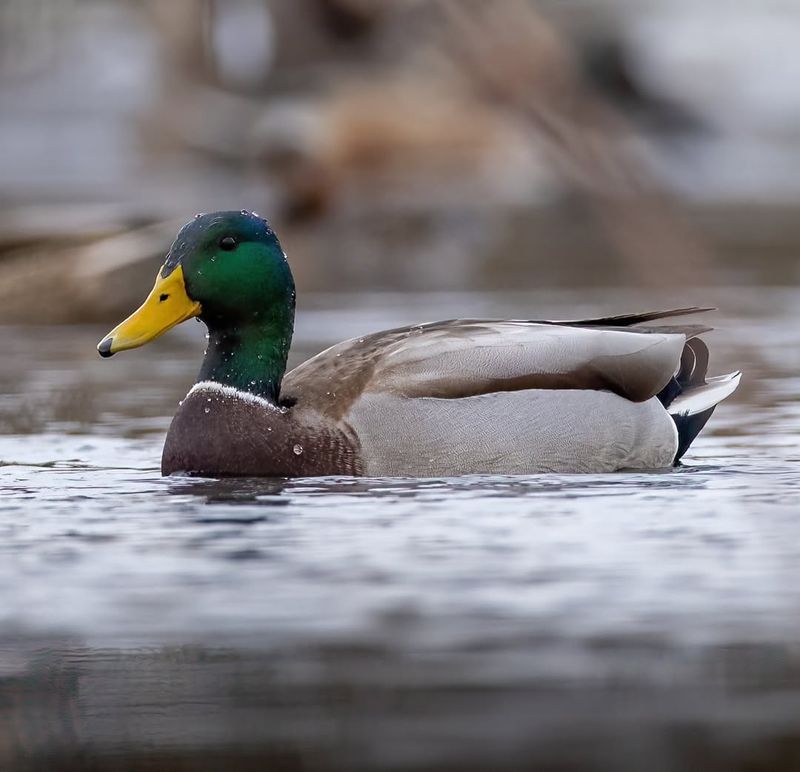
[{"x": 703, "y": 397}]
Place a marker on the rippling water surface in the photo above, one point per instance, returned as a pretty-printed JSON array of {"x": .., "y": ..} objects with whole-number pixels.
[{"x": 626, "y": 621}]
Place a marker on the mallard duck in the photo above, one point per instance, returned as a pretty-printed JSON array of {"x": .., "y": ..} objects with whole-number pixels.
[{"x": 447, "y": 398}]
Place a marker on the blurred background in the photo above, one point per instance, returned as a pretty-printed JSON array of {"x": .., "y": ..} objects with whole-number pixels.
[
  {"x": 397, "y": 144},
  {"x": 420, "y": 160}
]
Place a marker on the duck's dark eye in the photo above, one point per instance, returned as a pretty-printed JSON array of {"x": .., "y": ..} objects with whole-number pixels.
[{"x": 228, "y": 243}]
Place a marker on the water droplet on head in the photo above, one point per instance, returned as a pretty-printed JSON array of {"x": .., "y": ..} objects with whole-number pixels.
[
  {"x": 209, "y": 399},
  {"x": 252, "y": 383},
  {"x": 297, "y": 450},
  {"x": 243, "y": 211},
  {"x": 197, "y": 215},
  {"x": 206, "y": 409}
]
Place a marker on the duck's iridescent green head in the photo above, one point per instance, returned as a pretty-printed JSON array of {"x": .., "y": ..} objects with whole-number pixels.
[{"x": 228, "y": 268}]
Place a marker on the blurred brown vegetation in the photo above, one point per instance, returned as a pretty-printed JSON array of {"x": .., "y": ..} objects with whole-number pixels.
[{"x": 392, "y": 143}]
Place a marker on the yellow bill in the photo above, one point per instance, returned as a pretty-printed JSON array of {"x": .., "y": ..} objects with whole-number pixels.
[{"x": 165, "y": 306}]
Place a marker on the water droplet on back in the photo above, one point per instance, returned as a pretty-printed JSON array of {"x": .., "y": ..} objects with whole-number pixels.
[
  {"x": 297, "y": 450},
  {"x": 206, "y": 409}
]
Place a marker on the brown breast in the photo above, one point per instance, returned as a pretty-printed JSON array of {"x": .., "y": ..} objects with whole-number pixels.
[{"x": 218, "y": 432}]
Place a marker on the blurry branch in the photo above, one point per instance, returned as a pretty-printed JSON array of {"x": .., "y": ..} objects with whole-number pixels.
[
  {"x": 182, "y": 30},
  {"x": 350, "y": 19},
  {"x": 192, "y": 110},
  {"x": 514, "y": 59}
]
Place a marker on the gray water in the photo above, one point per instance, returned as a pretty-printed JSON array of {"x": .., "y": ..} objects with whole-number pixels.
[{"x": 626, "y": 621}]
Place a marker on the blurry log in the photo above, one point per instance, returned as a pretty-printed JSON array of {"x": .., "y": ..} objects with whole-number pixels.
[
  {"x": 32, "y": 226},
  {"x": 70, "y": 268}
]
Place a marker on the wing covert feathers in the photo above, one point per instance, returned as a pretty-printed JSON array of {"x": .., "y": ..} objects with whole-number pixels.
[{"x": 461, "y": 358}]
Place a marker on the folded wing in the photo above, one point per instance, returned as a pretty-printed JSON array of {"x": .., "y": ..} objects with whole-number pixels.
[
  {"x": 470, "y": 358},
  {"x": 467, "y": 357}
]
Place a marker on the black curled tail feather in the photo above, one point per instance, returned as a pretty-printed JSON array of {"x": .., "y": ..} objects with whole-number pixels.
[
  {"x": 691, "y": 373},
  {"x": 690, "y": 397}
]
